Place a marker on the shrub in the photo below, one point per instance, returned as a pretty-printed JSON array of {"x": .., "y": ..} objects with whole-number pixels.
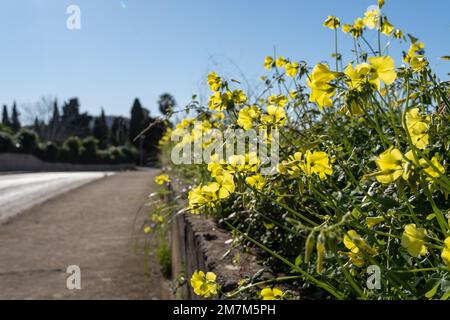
[
  {"x": 73, "y": 150},
  {"x": 5, "y": 129},
  {"x": 116, "y": 154},
  {"x": 7, "y": 142},
  {"x": 105, "y": 157},
  {"x": 50, "y": 152},
  {"x": 28, "y": 141},
  {"x": 90, "y": 145},
  {"x": 130, "y": 154}
]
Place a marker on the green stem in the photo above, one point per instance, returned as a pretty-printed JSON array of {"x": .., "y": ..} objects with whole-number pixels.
[{"x": 319, "y": 283}]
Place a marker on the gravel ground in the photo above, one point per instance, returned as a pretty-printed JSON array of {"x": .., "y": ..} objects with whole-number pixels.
[{"x": 99, "y": 228}]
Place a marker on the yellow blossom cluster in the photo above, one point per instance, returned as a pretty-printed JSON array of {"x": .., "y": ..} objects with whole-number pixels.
[{"x": 311, "y": 163}]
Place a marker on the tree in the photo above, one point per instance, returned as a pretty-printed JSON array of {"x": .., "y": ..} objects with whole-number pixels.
[
  {"x": 15, "y": 122},
  {"x": 54, "y": 125},
  {"x": 137, "y": 120},
  {"x": 74, "y": 122},
  {"x": 54, "y": 120},
  {"x": 119, "y": 131},
  {"x": 101, "y": 130},
  {"x": 166, "y": 103},
  {"x": 5, "y": 117},
  {"x": 37, "y": 126}
]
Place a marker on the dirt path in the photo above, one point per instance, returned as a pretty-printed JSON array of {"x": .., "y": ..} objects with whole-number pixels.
[{"x": 97, "y": 227}]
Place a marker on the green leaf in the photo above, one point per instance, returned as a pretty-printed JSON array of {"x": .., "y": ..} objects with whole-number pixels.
[
  {"x": 446, "y": 296},
  {"x": 356, "y": 213},
  {"x": 412, "y": 38},
  {"x": 431, "y": 216},
  {"x": 298, "y": 260},
  {"x": 430, "y": 294},
  {"x": 445, "y": 57}
]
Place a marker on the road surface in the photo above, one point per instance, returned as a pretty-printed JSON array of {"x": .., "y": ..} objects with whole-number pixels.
[
  {"x": 97, "y": 227},
  {"x": 22, "y": 191}
]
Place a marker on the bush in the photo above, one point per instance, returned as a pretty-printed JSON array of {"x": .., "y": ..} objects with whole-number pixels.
[
  {"x": 117, "y": 155},
  {"x": 7, "y": 142},
  {"x": 49, "y": 152},
  {"x": 105, "y": 157},
  {"x": 28, "y": 141},
  {"x": 130, "y": 154},
  {"x": 73, "y": 150},
  {"x": 5, "y": 129},
  {"x": 90, "y": 145}
]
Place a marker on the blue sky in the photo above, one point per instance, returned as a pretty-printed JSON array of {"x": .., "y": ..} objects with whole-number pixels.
[{"x": 142, "y": 48}]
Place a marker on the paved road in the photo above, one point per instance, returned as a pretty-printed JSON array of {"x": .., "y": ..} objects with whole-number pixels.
[
  {"x": 22, "y": 191},
  {"x": 97, "y": 227}
]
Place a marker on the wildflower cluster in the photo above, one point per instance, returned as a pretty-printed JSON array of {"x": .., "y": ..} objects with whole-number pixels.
[{"x": 363, "y": 177}]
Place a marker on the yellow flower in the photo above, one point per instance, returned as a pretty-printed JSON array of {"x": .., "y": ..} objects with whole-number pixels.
[
  {"x": 161, "y": 179},
  {"x": 413, "y": 240},
  {"x": 386, "y": 27},
  {"x": 346, "y": 28},
  {"x": 355, "y": 255},
  {"x": 278, "y": 100},
  {"x": 147, "y": 229},
  {"x": 380, "y": 3},
  {"x": 356, "y": 29},
  {"x": 359, "y": 75},
  {"x": 390, "y": 163},
  {"x": 281, "y": 62},
  {"x": 204, "y": 285},
  {"x": 416, "y": 48},
  {"x": 430, "y": 171},
  {"x": 354, "y": 242},
  {"x": 348, "y": 241},
  {"x": 445, "y": 255},
  {"x": 218, "y": 116},
  {"x": 332, "y": 22},
  {"x": 398, "y": 34},
  {"x": 373, "y": 221},
  {"x": 293, "y": 94},
  {"x": 236, "y": 163},
  {"x": 372, "y": 18},
  {"x": 214, "y": 81},
  {"x": 202, "y": 196},
  {"x": 226, "y": 185},
  {"x": 417, "y": 126},
  {"x": 247, "y": 115},
  {"x": 268, "y": 226},
  {"x": 215, "y": 168},
  {"x": 294, "y": 166},
  {"x": 384, "y": 68},
  {"x": 157, "y": 218},
  {"x": 275, "y": 116},
  {"x": 317, "y": 162},
  {"x": 240, "y": 163},
  {"x": 292, "y": 69},
  {"x": 268, "y": 63},
  {"x": 218, "y": 101},
  {"x": 271, "y": 294},
  {"x": 321, "y": 89},
  {"x": 239, "y": 96},
  {"x": 418, "y": 63},
  {"x": 256, "y": 181}
]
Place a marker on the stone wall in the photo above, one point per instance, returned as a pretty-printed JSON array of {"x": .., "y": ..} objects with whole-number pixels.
[
  {"x": 198, "y": 244},
  {"x": 27, "y": 162}
]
